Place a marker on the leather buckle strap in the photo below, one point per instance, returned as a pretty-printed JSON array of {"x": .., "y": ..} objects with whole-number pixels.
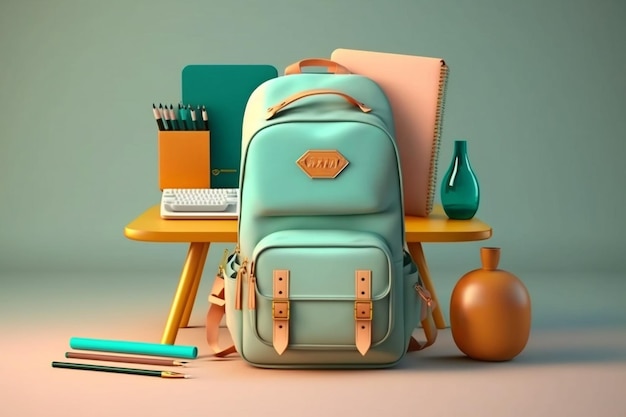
[
  {"x": 280, "y": 310},
  {"x": 363, "y": 310},
  {"x": 214, "y": 317},
  {"x": 217, "y": 292}
]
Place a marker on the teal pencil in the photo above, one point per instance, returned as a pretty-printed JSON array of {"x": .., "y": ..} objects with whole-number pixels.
[
  {"x": 183, "y": 117},
  {"x": 137, "y": 348},
  {"x": 173, "y": 120},
  {"x": 199, "y": 124}
]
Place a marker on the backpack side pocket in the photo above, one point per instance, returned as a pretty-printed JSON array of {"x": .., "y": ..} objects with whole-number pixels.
[
  {"x": 412, "y": 302},
  {"x": 233, "y": 315}
]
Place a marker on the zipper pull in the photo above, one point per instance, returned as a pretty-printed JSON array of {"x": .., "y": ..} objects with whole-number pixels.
[
  {"x": 239, "y": 284},
  {"x": 222, "y": 265},
  {"x": 251, "y": 292}
]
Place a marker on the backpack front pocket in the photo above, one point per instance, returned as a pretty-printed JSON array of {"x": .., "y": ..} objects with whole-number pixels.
[{"x": 320, "y": 290}]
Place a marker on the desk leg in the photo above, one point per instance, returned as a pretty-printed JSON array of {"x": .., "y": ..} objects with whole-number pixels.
[
  {"x": 418, "y": 256},
  {"x": 184, "y": 321},
  {"x": 185, "y": 283}
]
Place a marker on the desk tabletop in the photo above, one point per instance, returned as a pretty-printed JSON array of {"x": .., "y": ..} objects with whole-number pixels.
[{"x": 150, "y": 227}]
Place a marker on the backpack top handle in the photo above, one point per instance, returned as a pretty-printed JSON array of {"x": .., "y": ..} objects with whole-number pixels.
[
  {"x": 271, "y": 112},
  {"x": 331, "y": 66}
]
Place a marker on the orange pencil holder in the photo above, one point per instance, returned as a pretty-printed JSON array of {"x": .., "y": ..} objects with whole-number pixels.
[{"x": 184, "y": 159}]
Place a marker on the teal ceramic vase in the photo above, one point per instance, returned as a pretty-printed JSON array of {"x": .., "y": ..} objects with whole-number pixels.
[{"x": 460, "y": 193}]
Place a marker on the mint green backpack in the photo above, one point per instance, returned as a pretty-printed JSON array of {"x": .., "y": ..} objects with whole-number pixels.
[{"x": 321, "y": 277}]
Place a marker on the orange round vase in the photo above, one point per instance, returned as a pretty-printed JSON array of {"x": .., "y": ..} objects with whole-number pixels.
[{"x": 490, "y": 311}]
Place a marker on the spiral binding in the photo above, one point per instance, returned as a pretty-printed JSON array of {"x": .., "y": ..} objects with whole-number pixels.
[{"x": 436, "y": 144}]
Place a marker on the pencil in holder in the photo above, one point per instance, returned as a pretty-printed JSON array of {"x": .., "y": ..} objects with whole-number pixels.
[{"x": 184, "y": 159}]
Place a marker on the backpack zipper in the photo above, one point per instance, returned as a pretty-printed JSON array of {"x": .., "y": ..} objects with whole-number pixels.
[{"x": 239, "y": 284}]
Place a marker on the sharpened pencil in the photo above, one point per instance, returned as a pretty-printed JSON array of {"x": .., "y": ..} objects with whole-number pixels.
[
  {"x": 166, "y": 117},
  {"x": 126, "y": 359},
  {"x": 173, "y": 119},
  {"x": 205, "y": 118},
  {"x": 157, "y": 116},
  {"x": 193, "y": 123},
  {"x": 131, "y": 371}
]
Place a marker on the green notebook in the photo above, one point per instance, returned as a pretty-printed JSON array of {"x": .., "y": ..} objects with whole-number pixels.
[{"x": 224, "y": 90}]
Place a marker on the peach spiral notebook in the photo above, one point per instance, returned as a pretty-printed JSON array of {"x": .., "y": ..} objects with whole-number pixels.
[{"x": 416, "y": 87}]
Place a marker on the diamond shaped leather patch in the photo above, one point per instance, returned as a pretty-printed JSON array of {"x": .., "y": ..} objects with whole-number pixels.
[{"x": 322, "y": 164}]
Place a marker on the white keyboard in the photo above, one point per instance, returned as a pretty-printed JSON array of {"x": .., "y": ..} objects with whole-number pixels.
[{"x": 200, "y": 203}]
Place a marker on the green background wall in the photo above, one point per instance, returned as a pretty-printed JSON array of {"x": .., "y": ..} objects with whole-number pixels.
[{"x": 537, "y": 88}]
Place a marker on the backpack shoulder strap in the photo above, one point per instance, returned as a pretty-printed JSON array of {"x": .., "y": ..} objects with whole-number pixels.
[{"x": 214, "y": 316}]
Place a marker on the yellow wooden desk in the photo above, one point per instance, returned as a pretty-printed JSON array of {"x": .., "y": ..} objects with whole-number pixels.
[{"x": 149, "y": 227}]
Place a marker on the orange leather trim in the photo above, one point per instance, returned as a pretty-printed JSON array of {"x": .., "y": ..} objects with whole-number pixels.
[
  {"x": 251, "y": 292},
  {"x": 363, "y": 310},
  {"x": 243, "y": 269},
  {"x": 214, "y": 317},
  {"x": 238, "y": 289},
  {"x": 280, "y": 310},
  {"x": 319, "y": 163},
  {"x": 271, "y": 112},
  {"x": 331, "y": 66},
  {"x": 216, "y": 296}
]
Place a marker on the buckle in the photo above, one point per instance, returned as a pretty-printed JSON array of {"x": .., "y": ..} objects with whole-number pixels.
[
  {"x": 280, "y": 310},
  {"x": 215, "y": 299},
  {"x": 363, "y": 310},
  {"x": 217, "y": 291}
]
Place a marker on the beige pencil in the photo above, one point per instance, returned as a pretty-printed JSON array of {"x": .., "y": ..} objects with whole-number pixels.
[{"x": 126, "y": 359}]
